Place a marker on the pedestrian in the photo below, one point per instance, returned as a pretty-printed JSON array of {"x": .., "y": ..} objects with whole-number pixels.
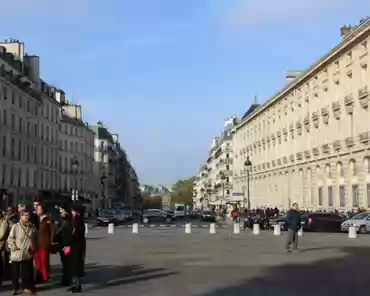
[
  {"x": 34, "y": 218},
  {"x": 46, "y": 235},
  {"x": 4, "y": 233},
  {"x": 293, "y": 221},
  {"x": 74, "y": 247},
  {"x": 61, "y": 238},
  {"x": 22, "y": 242}
]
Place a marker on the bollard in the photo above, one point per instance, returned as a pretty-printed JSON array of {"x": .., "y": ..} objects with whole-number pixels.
[
  {"x": 277, "y": 229},
  {"x": 236, "y": 228},
  {"x": 86, "y": 228},
  {"x": 111, "y": 228},
  {"x": 188, "y": 228},
  {"x": 352, "y": 232},
  {"x": 300, "y": 231},
  {"x": 212, "y": 228},
  {"x": 256, "y": 229},
  {"x": 135, "y": 228}
]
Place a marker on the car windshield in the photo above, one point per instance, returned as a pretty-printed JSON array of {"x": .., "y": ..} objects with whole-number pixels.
[
  {"x": 360, "y": 216},
  {"x": 179, "y": 208},
  {"x": 106, "y": 213}
]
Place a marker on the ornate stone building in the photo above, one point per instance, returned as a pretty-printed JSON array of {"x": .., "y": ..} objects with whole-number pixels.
[
  {"x": 310, "y": 142},
  {"x": 213, "y": 185}
]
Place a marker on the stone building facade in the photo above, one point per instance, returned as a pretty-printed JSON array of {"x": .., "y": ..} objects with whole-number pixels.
[
  {"x": 310, "y": 142},
  {"x": 213, "y": 185}
]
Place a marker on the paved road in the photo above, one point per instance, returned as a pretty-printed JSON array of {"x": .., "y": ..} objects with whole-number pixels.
[{"x": 166, "y": 262}]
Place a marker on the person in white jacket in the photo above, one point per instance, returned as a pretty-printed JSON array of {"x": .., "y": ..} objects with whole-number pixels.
[{"x": 22, "y": 242}]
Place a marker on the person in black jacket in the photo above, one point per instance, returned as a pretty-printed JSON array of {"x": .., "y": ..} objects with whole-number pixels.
[
  {"x": 74, "y": 247},
  {"x": 62, "y": 232},
  {"x": 293, "y": 221}
]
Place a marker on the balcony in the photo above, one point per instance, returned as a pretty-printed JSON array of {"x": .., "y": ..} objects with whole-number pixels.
[
  {"x": 285, "y": 159},
  {"x": 279, "y": 161},
  {"x": 365, "y": 137},
  {"x": 363, "y": 96},
  {"x": 273, "y": 163},
  {"x": 299, "y": 155},
  {"x": 315, "y": 151},
  {"x": 348, "y": 100},
  {"x": 325, "y": 148},
  {"x": 349, "y": 141},
  {"x": 307, "y": 154},
  {"x": 336, "y": 145}
]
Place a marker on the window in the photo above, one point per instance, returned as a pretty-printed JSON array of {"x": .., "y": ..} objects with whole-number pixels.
[
  {"x": 12, "y": 148},
  {"x": 12, "y": 121},
  {"x": 355, "y": 196},
  {"x": 330, "y": 196},
  {"x": 4, "y": 147},
  {"x": 28, "y": 106},
  {"x": 20, "y": 125},
  {"x": 368, "y": 194},
  {"x": 320, "y": 196},
  {"x": 342, "y": 196},
  {"x": 20, "y": 102},
  {"x": 5, "y": 118},
  {"x": 5, "y": 93}
]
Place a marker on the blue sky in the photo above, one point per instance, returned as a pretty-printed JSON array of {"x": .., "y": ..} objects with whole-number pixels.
[{"x": 164, "y": 74}]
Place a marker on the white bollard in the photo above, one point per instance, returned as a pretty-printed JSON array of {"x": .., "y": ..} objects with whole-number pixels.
[
  {"x": 277, "y": 229},
  {"x": 111, "y": 228},
  {"x": 300, "y": 231},
  {"x": 86, "y": 228},
  {"x": 352, "y": 232},
  {"x": 236, "y": 228},
  {"x": 212, "y": 228},
  {"x": 188, "y": 228},
  {"x": 135, "y": 228},
  {"x": 256, "y": 229}
]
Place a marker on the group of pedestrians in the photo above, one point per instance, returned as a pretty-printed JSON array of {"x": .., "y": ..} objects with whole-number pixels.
[{"x": 28, "y": 238}]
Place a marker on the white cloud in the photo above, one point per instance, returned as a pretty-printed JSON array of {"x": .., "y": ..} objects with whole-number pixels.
[{"x": 252, "y": 12}]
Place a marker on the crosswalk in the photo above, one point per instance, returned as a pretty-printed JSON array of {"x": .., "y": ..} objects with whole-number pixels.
[{"x": 164, "y": 226}]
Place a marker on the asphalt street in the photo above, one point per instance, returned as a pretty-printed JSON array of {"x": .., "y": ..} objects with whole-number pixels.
[{"x": 163, "y": 261}]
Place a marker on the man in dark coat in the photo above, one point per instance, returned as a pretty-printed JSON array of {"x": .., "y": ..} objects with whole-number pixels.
[
  {"x": 74, "y": 247},
  {"x": 293, "y": 221},
  {"x": 62, "y": 237}
]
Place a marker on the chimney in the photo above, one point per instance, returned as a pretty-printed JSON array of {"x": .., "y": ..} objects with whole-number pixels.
[{"x": 345, "y": 31}]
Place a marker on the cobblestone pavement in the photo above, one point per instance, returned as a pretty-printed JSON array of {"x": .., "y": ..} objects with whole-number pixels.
[{"x": 167, "y": 262}]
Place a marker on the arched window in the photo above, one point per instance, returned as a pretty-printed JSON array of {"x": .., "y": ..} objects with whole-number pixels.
[
  {"x": 367, "y": 164},
  {"x": 340, "y": 169},
  {"x": 329, "y": 174},
  {"x": 353, "y": 167}
]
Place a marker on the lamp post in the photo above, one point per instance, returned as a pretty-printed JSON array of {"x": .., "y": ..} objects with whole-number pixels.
[
  {"x": 102, "y": 182},
  {"x": 247, "y": 167},
  {"x": 74, "y": 169},
  {"x": 222, "y": 177}
]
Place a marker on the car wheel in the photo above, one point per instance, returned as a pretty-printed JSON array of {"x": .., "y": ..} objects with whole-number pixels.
[
  {"x": 362, "y": 229},
  {"x": 168, "y": 220},
  {"x": 145, "y": 220}
]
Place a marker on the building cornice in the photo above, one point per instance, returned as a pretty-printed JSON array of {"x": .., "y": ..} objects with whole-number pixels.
[{"x": 354, "y": 36}]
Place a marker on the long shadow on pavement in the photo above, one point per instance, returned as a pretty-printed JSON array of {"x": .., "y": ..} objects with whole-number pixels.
[
  {"x": 348, "y": 275},
  {"x": 99, "y": 277}
]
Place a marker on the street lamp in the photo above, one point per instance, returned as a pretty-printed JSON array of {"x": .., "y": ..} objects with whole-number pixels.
[
  {"x": 222, "y": 177},
  {"x": 74, "y": 170},
  {"x": 102, "y": 182},
  {"x": 248, "y": 167}
]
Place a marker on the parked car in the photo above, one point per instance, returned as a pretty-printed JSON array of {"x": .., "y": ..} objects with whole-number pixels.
[
  {"x": 361, "y": 221},
  {"x": 208, "y": 216},
  {"x": 156, "y": 215},
  {"x": 106, "y": 217},
  {"x": 280, "y": 220},
  {"x": 321, "y": 222}
]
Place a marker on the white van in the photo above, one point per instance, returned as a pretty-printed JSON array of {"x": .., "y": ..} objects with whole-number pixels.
[
  {"x": 361, "y": 221},
  {"x": 179, "y": 210}
]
